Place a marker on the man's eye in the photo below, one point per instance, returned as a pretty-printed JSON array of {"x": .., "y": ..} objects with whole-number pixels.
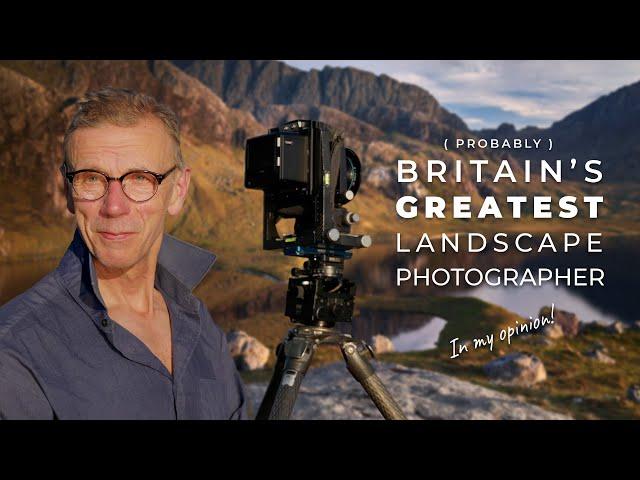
[
  {"x": 140, "y": 178},
  {"x": 93, "y": 178}
]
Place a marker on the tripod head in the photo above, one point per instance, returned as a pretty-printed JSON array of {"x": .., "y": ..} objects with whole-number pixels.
[
  {"x": 308, "y": 175},
  {"x": 318, "y": 295}
]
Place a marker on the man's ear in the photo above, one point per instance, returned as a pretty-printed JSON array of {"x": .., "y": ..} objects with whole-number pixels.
[
  {"x": 180, "y": 190},
  {"x": 67, "y": 189},
  {"x": 70, "y": 206}
]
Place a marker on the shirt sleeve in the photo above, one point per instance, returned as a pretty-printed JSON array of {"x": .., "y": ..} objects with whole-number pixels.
[{"x": 21, "y": 398}]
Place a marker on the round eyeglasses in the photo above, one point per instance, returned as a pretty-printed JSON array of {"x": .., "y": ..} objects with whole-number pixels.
[{"x": 137, "y": 185}]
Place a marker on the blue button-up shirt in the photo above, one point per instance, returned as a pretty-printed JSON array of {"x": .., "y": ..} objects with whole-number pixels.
[{"x": 61, "y": 356}]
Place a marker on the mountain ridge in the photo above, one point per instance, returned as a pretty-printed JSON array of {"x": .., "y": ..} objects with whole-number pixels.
[
  {"x": 606, "y": 129},
  {"x": 379, "y": 100}
]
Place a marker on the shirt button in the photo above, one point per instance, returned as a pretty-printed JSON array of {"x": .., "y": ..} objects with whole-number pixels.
[{"x": 105, "y": 322}]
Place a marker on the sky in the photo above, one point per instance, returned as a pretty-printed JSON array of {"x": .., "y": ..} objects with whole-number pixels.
[{"x": 486, "y": 93}]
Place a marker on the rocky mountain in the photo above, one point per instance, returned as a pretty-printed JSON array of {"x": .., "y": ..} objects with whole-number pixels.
[
  {"x": 378, "y": 100},
  {"x": 606, "y": 129},
  {"x": 383, "y": 119}
]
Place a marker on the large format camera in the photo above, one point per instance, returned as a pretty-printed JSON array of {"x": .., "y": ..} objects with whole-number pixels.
[{"x": 308, "y": 175}]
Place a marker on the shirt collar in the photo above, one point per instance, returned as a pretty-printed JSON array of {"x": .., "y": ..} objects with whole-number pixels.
[{"x": 180, "y": 268}]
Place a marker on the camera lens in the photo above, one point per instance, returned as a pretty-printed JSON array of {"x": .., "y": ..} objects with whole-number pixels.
[{"x": 347, "y": 188}]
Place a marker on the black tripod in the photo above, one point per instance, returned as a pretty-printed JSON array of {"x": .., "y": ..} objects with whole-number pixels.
[{"x": 318, "y": 297}]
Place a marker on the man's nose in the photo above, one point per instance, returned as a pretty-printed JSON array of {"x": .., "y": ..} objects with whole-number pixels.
[{"x": 115, "y": 201}]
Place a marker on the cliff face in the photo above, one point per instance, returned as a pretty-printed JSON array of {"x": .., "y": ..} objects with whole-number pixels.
[
  {"x": 32, "y": 122},
  {"x": 380, "y": 100}
]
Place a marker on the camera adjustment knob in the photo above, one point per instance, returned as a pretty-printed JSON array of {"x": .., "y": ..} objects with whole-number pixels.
[
  {"x": 352, "y": 218},
  {"x": 333, "y": 234}
]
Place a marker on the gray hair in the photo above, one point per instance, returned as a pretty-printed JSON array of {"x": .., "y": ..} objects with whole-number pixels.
[{"x": 124, "y": 108}]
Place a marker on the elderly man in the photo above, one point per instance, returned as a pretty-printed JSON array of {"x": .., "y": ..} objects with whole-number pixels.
[{"x": 114, "y": 331}]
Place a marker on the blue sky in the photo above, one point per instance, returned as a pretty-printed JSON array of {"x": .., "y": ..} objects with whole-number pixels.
[{"x": 486, "y": 93}]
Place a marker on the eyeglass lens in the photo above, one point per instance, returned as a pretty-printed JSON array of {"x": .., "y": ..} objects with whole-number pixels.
[{"x": 138, "y": 186}]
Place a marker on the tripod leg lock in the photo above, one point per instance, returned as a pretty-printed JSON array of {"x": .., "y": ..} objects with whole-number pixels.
[
  {"x": 357, "y": 365},
  {"x": 298, "y": 353},
  {"x": 363, "y": 372}
]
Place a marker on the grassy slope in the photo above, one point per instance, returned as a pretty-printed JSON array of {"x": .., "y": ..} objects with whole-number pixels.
[{"x": 571, "y": 375}]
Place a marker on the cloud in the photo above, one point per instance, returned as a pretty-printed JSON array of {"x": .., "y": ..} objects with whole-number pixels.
[
  {"x": 475, "y": 122},
  {"x": 527, "y": 92}
]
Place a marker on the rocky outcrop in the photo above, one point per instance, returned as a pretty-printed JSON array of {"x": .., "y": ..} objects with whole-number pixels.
[
  {"x": 568, "y": 321},
  {"x": 382, "y": 344},
  {"x": 330, "y": 393},
  {"x": 518, "y": 368},
  {"x": 31, "y": 130},
  {"x": 553, "y": 331},
  {"x": 600, "y": 355},
  {"x": 247, "y": 351},
  {"x": 617, "y": 328}
]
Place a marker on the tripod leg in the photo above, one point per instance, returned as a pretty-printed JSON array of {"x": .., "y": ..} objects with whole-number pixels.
[
  {"x": 270, "y": 394},
  {"x": 294, "y": 359},
  {"x": 363, "y": 372}
]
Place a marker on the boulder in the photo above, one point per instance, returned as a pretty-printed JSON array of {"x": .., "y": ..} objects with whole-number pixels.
[
  {"x": 382, "y": 344},
  {"x": 247, "y": 351},
  {"x": 617, "y": 328},
  {"x": 633, "y": 393},
  {"x": 568, "y": 321},
  {"x": 518, "y": 368},
  {"x": 600, "y": 355},
  {"x": 553, "y": 331}
]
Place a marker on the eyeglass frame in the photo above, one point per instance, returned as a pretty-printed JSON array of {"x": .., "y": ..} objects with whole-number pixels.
[{"x": 158, "y": 176}]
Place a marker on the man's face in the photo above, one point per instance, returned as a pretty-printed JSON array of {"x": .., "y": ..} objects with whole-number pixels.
[{"x": 118, "y": 231}]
